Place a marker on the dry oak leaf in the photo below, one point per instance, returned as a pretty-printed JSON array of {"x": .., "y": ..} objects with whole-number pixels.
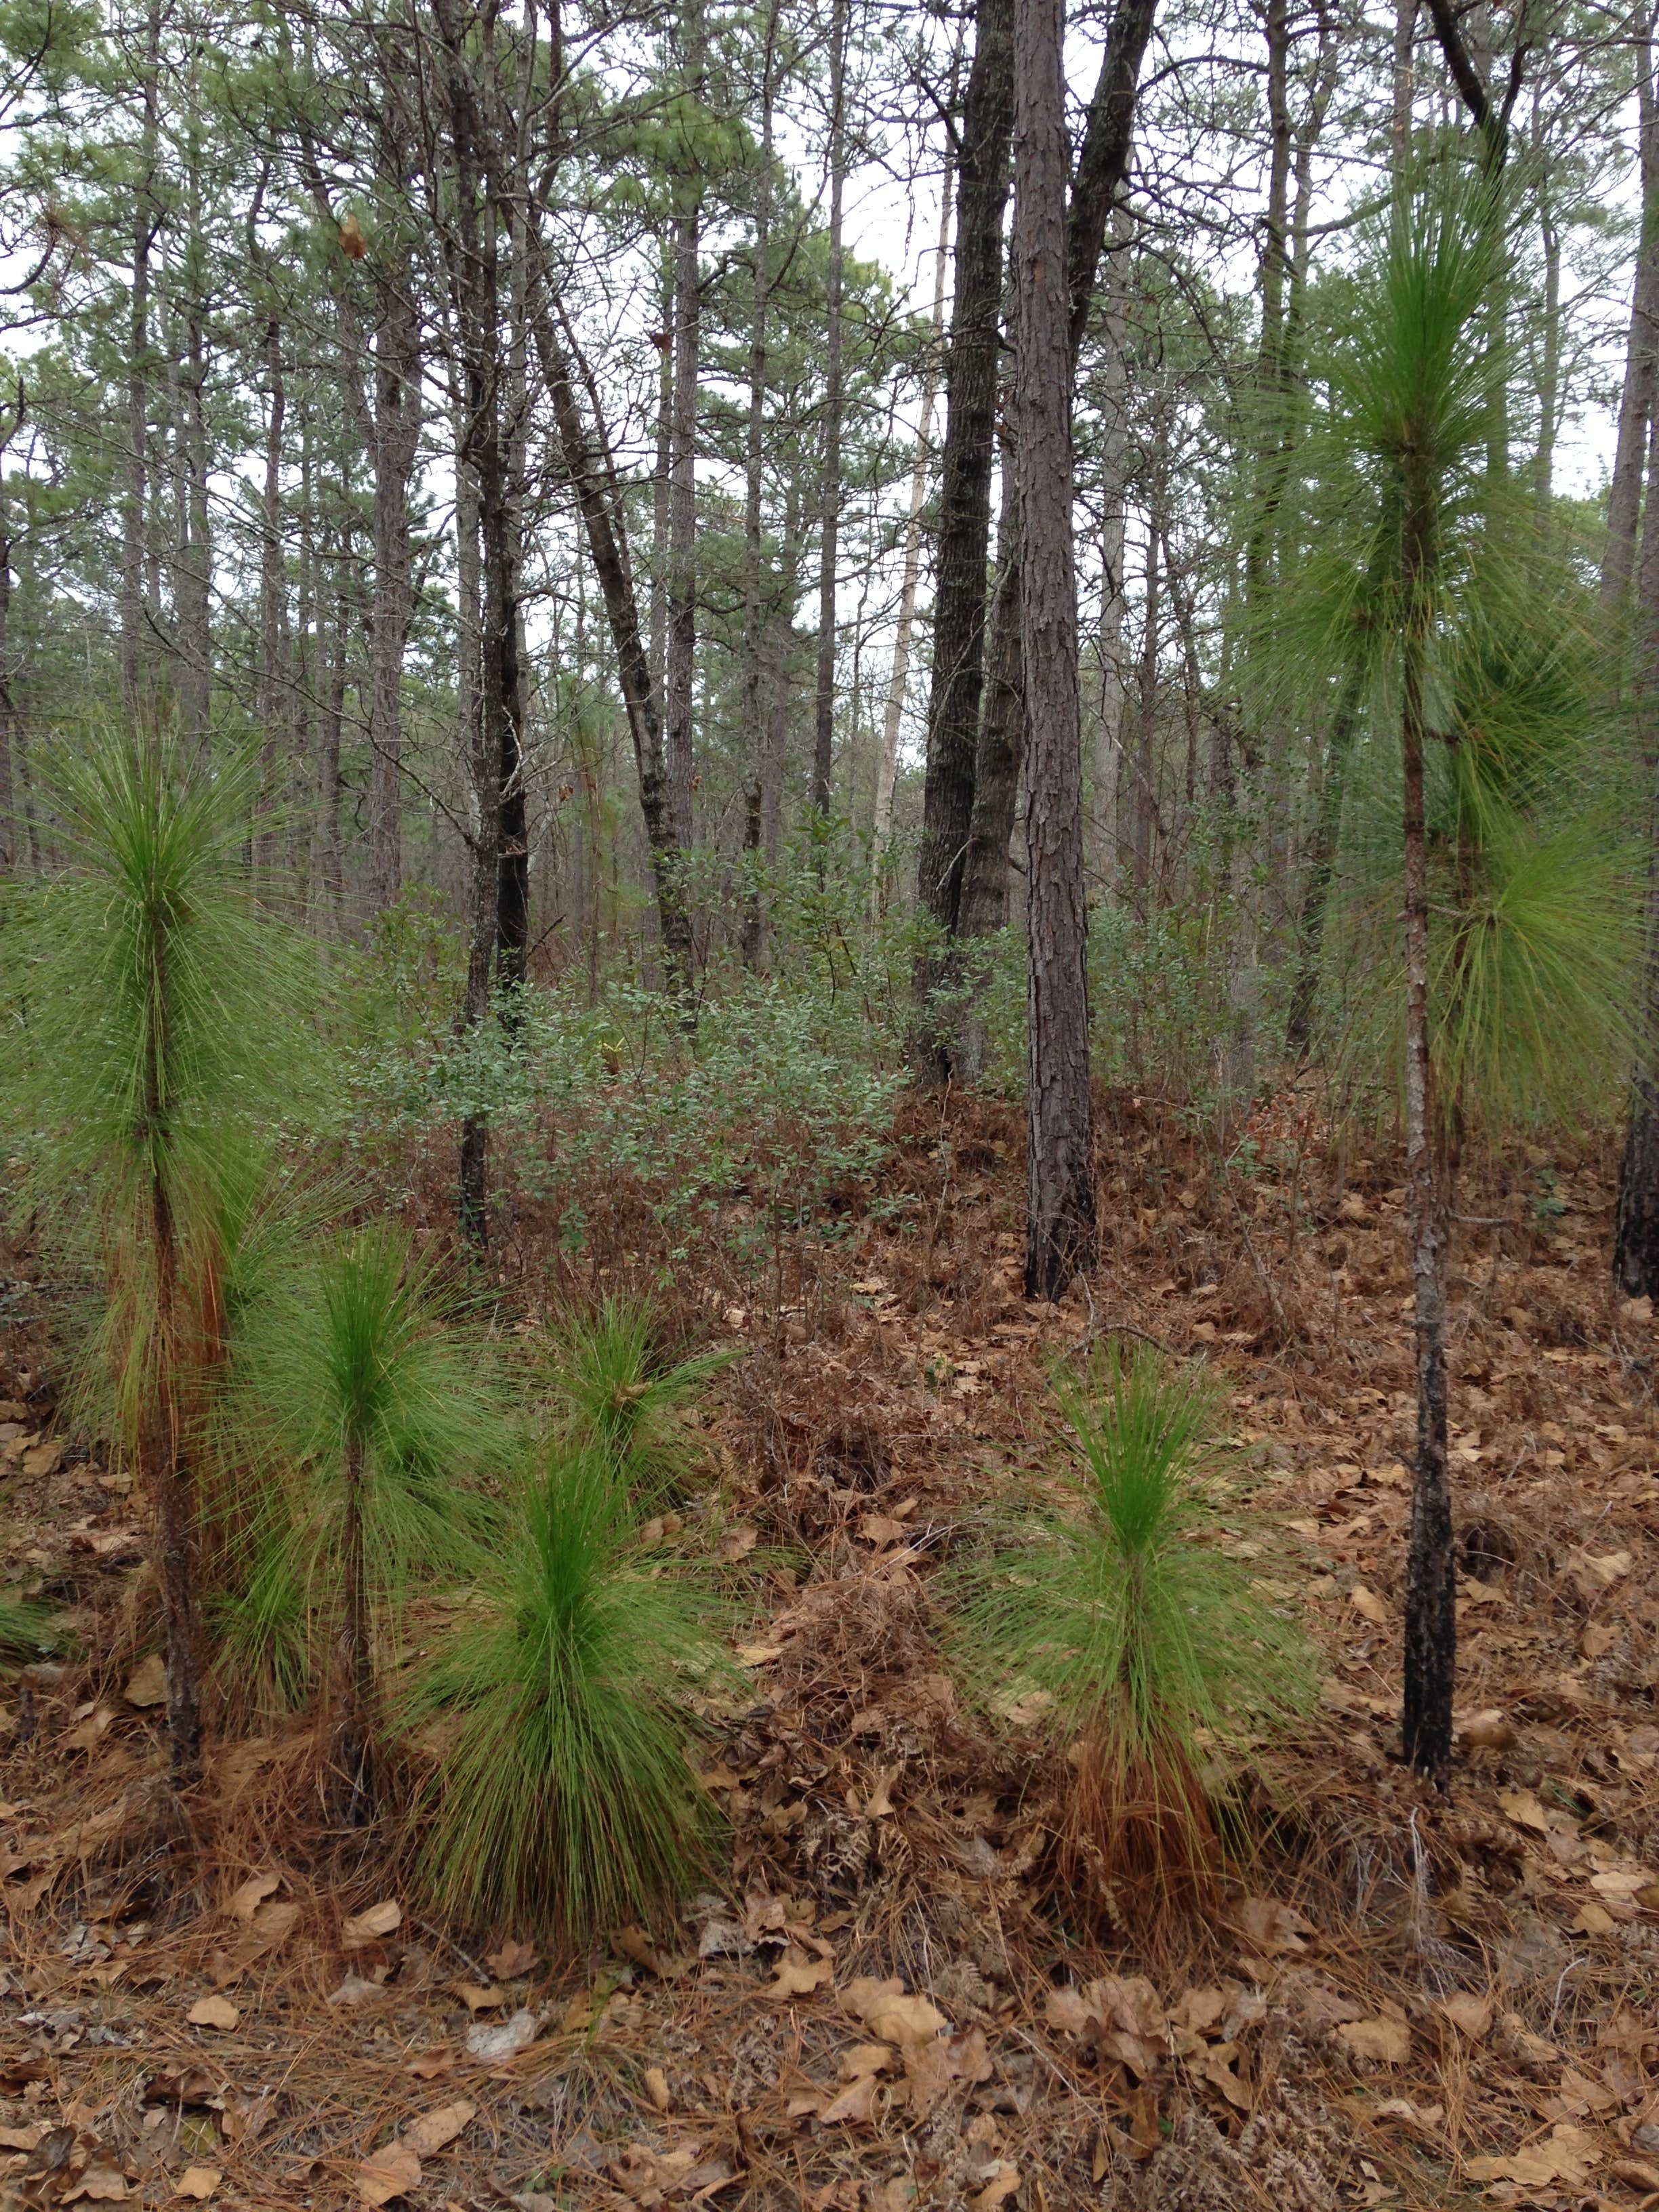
[
  {"x": 1522, "y": 1808},
  {"x": 433, "y": 2130},
  {"x": 1270, "y": 1927},
  {"x": 1469, "y": 2014},
  {"x": 147, "y": 1684},
  {"x": 1489, "y": 1731},
  {"x": 478, "y": 2000},
  {"x": 513, "y": 1960},
  {"x": 246, "y": 1900},
  {"x": 20, "y": 2138},
  {"x": 391, "y": 2172},
  {"x": 797, "y": 1976},
  {"x": 930, "y": 2068},
  {"x": 854, "y": 2105},
  {"x": 656, "y": 2087},
  {"x": 101, "y": 2180},
  {"x": 1388, "y": 2040},
  {"x": 213, "y": 2012},
  {"x": 1566, "y": 2156},
  {"x": 382, "y": 1919},
  {"x": 889, "y": 2013},
  {"x": 199, "y": 2181},
  {"x": 1369, "y": 1605},
  {"x": 1003, "y": 2181}
]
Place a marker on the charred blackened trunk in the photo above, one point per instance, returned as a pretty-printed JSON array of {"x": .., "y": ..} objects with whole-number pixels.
[
  {"x": 1060, "y": 1232},
  {"x": 964, "y": 515}
]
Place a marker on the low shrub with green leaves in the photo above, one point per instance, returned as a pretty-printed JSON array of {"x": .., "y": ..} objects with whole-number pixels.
[
  {"x": 562, "y": 1796},
  {"x": 1146, "y": 1644},
  {"x": 725, "y": 1140}
]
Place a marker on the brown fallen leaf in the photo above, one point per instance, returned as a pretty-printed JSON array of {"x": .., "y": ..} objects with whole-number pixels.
[
  {"x": 199, "y": 2181},
  {"x": 147, "y": 1684},
  {"x": 1593, "y": 1919},
  {"x": 1387, "y": 2040},
  {"x": 20, "y": 2138},
  {"x": 478, "y": 2000},
  {"x": 1369, "y": 1605},
  {"x": 391, "y": 2172},
  {"x": 797, "y": 1976},
  {"x": 1002, "y": 2183},
  {"x": 213, "y": 2012},
  {"x": 246, "y": 1900},
  {"x": 1272, "y": 1927},
  {"x": 854, "y": 2106},
  {"x": 1522, "y": 1806},
  {"x": 379, "y": 1920},
  {"x": 1470, "y": 2015},
  {"x": 100, "y": 2180},
  {"x": 513, "y": 1960},
  {"x": 1567, "y": 2156},
  {"x": 432, "y": 2130},
  {"x": 1488, "y": 1731},
  {"x": 656, "y": 2087},
  {"x": 889, "y": 2013},
  {"x": 634, "y": 1943},
  {"x": 430, "y": 2064}
]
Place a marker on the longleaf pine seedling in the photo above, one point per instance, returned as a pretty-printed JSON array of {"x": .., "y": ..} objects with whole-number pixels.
[
  {"x": 155, "y": 1001},
  {"x": 563, "y": 1797},
  {"x": 391, "y": 1412},
  {"x": 1146, "y": 1644},
  {"x": 625, "y": 1400}
]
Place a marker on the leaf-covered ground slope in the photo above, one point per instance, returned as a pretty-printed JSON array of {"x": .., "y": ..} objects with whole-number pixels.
[{"x": 876, "y": 2002}]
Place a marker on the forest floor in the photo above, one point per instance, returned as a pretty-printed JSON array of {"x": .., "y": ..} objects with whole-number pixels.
[{"x": 878, "y": 2002}]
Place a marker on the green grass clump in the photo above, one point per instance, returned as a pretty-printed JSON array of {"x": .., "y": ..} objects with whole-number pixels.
[
  {"x": 1152, "y": 1652},
  {"x": 625, "y": 1398},
  {"x": 564, "y": 1798},
  {"x": 387, "y": 1415},
  {"x": 28, "y": 1629}
]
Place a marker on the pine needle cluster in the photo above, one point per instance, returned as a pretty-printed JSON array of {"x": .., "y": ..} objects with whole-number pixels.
[{"x": 1149, "y": 1645}]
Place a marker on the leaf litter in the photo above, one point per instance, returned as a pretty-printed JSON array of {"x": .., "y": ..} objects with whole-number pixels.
[{"x": 1403, "y": 2000}]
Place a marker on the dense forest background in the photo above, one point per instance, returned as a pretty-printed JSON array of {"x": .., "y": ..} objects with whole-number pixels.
[{"x": 563, "y": 446}]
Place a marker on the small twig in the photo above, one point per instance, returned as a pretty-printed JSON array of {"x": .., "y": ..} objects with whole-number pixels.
[
  {"x": 1121, "y": 1328},
  {"x": 450, "y": 1944}
]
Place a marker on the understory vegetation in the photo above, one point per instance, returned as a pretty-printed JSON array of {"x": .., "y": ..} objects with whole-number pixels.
[{"x": 829, "y": 1106}]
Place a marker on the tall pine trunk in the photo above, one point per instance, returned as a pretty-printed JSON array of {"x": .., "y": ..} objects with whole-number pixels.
[
  {"x": 135, "y": 603},
  {"x": 1060, "y": 1234},
  {"x": 898, "y": 677},
  {"x": 1430, "y": 1645},
  {"x": 1636, "y": 405},
  {"x": 823, "y": 716},
  {"x": 273, "y": 593},
  {"x": 1095, "y": 205},
  {"x": 681, "y": 657},
  {"x": 754, "y": 610},
  {"x": 396, "y": 430},
  {"x": 965, "y": 508}
]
